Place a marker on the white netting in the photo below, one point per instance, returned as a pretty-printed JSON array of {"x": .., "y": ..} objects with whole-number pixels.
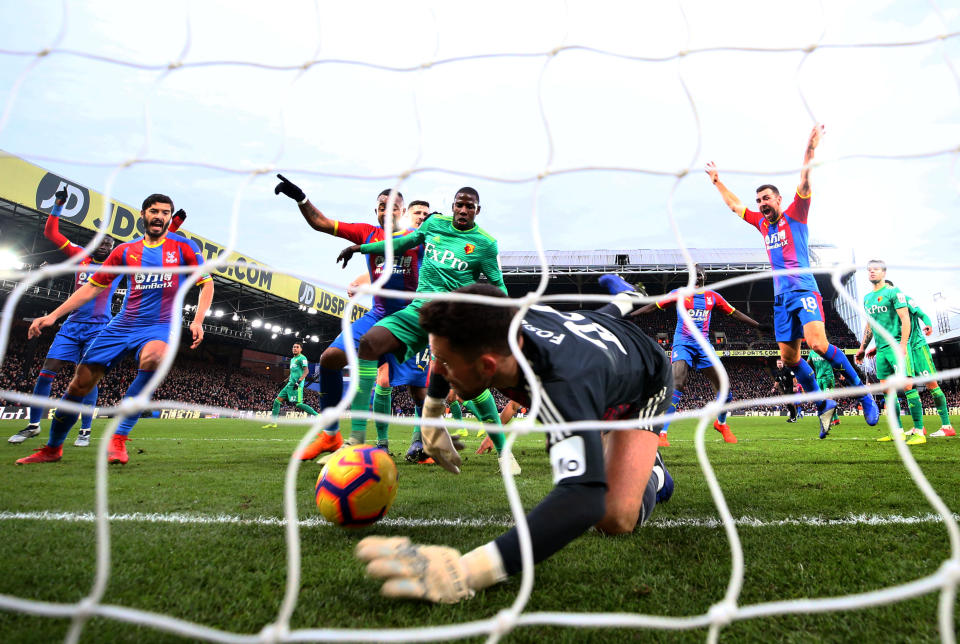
[{"x": 549, "y": 29}]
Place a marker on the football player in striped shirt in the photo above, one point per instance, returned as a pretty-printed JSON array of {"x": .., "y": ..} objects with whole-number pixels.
[
  {"x": 78, "y": 330},
  {"x": 797, "y": 307},
  {"x": 686, "y": 354},
  {"x": 142, "y": 326}
]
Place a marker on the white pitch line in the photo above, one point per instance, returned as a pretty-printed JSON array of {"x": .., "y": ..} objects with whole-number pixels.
[{"x": 690, "y": 522}]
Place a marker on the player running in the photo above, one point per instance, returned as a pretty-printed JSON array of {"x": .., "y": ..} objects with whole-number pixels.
[
  {"x": 590, "y": 366},
  {"x": 797, "y": 307},
  {"x": 78, "y": 330},
  {"x": 142, "y": 325},
  {"x": 686, "y": 353},
  {"x": 888, "y": 307},
  {"x": 404, "y": 277},
  {"x": 292, "y": 392},
  {"x": 456, "y": 253}
]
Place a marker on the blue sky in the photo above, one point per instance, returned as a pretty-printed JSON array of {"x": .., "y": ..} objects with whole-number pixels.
[{"x": 506, "y": 119}]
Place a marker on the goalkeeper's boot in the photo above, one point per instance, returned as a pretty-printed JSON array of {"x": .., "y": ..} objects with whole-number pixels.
[
  {"x": 724, "y": 430},
  {"x": 825, "y": 414},
  {"x": 945, "y": 430},
  {"x": 481, "y": 433},
  {"x": 871, "y": 413},
  {"x": 117, "y": 452},
  {"x": 415, "y": 454},
  {"x": 917, "y": 439},
  {"x": 663, "y": 440},
  {"x": 324, "y": 443},
  {"x": 45, "y": 454},
  {"x": 463, "y": 432},
  {"x": 666, "y": 490},
  {"x": 27, "y": 432},
  {"x": 615, "y": 284},
  {"x": 269, "y": 426},
  {"x": 83, "y": 438},
  {"x": 326, "y": 458}
]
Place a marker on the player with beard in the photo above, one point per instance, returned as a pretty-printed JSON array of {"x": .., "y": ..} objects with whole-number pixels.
[
  {"x": 797, "y": 307},
  {"x": 142, "y": 326},
  {"x": 591, "y": 366}
]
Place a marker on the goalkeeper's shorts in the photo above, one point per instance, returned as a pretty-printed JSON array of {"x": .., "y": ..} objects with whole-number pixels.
[{"x": 292, "y": 393}]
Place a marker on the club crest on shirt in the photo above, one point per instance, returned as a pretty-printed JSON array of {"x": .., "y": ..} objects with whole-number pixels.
[
  {"x": 170, "y": 257},
  {"x": 469, "y": 248}
]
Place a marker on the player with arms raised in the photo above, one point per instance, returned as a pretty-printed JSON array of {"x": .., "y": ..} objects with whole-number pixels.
[
  {"x": 293, "y": 390},
  {"x": 686, "y": 354},
  {"x": 456, "y": 253},
  {"x": 404, "y": 277},
  {"x": 590, "y": 366},
  {"x": 142, "y": 326},
  {"x": 78, "y": 330},
  {"x": 797, "y": 308}
]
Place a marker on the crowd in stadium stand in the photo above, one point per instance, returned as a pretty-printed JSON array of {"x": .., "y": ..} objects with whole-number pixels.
[{"x": 202, "y": 383}]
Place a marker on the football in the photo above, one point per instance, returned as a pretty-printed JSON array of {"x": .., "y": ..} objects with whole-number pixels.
[{"x": 357, "y": 486}]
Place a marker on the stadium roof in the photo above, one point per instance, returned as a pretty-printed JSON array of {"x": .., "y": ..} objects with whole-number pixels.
[{"x": 641, "y": 260}]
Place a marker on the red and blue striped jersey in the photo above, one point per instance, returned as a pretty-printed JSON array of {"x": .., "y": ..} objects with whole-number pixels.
[
  {"x": 98, "y": 310},
  {"x": 786, "y": 243},
  {"x": 150, "y": 295},
  {"x": 700, "y": 306},
  {"x": 406, "y": 265}
]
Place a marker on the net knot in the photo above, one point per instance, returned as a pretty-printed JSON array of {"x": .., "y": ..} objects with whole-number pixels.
[
  {"x": 503, "y": 623},
  {"x": 86, "y": 607},
  {"x": 722, "y": 613},
  {"x": 273, "y": 633},
  {"x": 951, "y": 570},
  {"x": 175, "y": 64}
]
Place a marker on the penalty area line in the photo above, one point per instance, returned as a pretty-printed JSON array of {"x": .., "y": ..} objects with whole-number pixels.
[{"x": 470, "y": 522}]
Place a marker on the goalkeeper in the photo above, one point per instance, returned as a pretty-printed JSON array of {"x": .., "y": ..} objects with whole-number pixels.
[
  {"x": 590, "y": 366},
  {"x": 456, "y": 253}
]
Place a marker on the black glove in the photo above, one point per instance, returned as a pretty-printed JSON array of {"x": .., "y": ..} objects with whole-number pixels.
[
  {"x": 765, "y": 328},
  {"x": 292, "y": 190},
  {"x": 347, "y": 253},
  {"x": 61, "y": 196},
  {"x": 178, "y": 218}
]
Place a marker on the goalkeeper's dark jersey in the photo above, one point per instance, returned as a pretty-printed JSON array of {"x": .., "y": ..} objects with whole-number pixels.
[{"x": 589, "y": 366}]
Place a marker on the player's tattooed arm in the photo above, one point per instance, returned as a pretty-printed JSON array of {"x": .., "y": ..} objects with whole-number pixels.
[
  {"x": 867, "y": 337},
  {"x": 316, "y": 219},
  {"x": 733, "y": 201},
  {"x": 812, "y": 143}
]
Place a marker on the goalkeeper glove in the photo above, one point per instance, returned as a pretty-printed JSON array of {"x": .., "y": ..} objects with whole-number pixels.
[
  {"x": 61, "y": 199},
  {"x": 433, "y": 573},
  {"x": 436, "y": 439},
  {"x": 290, "y": 189},
  {"x": 178, "y": 218}
]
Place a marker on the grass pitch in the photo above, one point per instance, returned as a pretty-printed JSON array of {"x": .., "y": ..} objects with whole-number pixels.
[{"x": 198, "y": 534}]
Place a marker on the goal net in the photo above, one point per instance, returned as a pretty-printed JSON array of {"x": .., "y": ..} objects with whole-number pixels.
[{"x": 583, "y": 125}]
